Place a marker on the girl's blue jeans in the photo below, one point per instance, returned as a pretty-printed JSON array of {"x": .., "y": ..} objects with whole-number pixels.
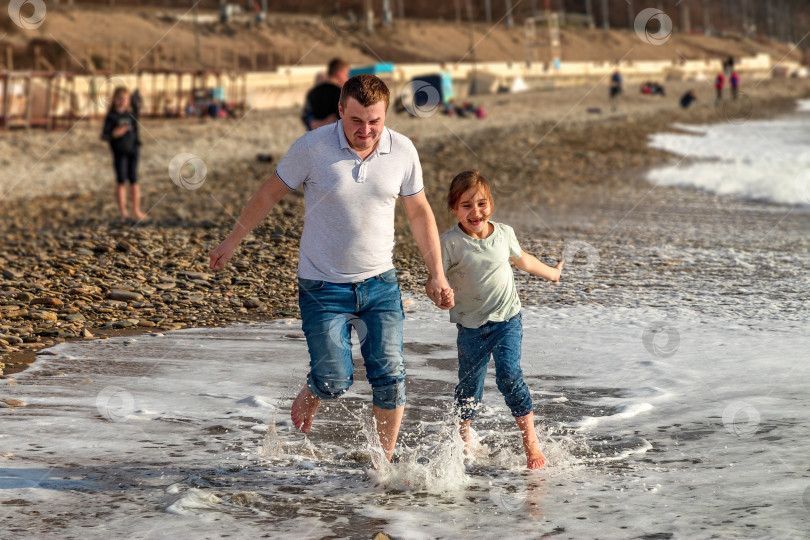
[{"x": 502, "y": 341}]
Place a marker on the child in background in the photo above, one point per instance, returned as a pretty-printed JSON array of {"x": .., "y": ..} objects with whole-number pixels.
[
  {"x": 476, "y": 255},
  {"x": 735, "y": 85},
  {"x": 121, "y": 130},
  {"x": 719, "y": 83}
]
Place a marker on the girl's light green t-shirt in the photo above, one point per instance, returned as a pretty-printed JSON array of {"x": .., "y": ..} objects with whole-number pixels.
[{"x": 481, "y": 276}]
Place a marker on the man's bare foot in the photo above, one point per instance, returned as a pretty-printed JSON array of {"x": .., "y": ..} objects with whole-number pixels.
[
  {"x": 303, "y": 410},
  {"x": 535, "y": 458},
  {"x": 124, "y": 218},
  {"x": 140, "y": 215}
]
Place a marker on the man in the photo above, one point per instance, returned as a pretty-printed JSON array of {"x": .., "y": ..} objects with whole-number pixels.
[
  {"x": 352, "y": 173},
  {"x": 321, "y": 104}
]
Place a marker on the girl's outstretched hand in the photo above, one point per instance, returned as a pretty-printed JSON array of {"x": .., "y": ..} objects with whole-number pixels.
[{"x": 559, "y": 268}]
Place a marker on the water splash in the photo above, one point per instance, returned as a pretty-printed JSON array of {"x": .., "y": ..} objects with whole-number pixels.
[{"x": 271, "y": 448}]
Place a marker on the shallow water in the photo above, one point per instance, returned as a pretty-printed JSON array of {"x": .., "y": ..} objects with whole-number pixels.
[
  {"x": 653, "y": 421},
  {"x": 763, "y": 160},
  {"x": 668, "y": 371}
]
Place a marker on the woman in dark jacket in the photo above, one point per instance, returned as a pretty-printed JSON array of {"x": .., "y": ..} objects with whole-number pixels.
[{"x": 121, "y": 130}]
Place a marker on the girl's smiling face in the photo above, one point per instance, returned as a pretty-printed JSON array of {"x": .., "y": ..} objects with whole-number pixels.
[{"x": 472, "y": 211}]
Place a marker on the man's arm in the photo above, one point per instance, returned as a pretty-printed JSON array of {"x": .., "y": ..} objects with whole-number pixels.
[
  {"x": 257, "y": 208},
  {"x": 423, "y": 225}
]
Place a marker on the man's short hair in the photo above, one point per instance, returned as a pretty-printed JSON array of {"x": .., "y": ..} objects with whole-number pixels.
[
  {"x": 366, "y": 89},
  {"x": 335, "y": 66}
]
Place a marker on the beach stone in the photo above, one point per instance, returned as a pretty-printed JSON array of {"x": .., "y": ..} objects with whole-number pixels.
[
  {"x": 253, "y": 302},
  {"x": 80, "y": 291},
  {"x": 24, "y": 296},
  {"x": 126, "y": 247},
  {"x": 38, "y": 315},
  {"x": 126, "y": 323},
  {"x": 76, "y": 317},
  {"x": 87, "y": 334},
  {"x": 12, "y": 274},
  {"x": 125, "y": 296},
  {"x": 9, "y": 403},
  {"x": 196, "y": 275},
  {"x": 47, "y": 301}
]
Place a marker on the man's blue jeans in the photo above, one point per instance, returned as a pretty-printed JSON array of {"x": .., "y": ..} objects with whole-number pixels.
[
  {"x": 502, "y": 341},
  {"x": 374, "y": 308}
]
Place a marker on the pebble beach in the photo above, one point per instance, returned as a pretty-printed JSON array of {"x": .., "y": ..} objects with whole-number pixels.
[{"x": 565, "y": 169}]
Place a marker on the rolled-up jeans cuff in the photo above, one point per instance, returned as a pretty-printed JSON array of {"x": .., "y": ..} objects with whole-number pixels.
[{"x": 389, "y": 396}]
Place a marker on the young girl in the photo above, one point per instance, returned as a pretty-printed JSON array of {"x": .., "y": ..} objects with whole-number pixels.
[
  {"x": 476, "y": 255},
  {"x": 121, "y": 130}
]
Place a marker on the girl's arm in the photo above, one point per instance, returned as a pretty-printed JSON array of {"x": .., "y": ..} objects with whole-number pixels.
[{"x": 530, "y": 263}]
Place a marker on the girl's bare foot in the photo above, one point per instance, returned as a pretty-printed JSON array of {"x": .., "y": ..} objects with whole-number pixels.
[
  {"x": 303, "y": 410},
  {"x": 534, "y": 456},
  {"x": 140, "y": 215}
]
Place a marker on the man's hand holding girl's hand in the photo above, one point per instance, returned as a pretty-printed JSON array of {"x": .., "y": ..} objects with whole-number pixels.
[{"x": 439, "y": 291}]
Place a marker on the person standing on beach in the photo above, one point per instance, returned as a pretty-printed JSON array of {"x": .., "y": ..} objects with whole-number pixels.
[
  {"x": 321, "y": 103},
  {"x": 735, "y": 85},
  {"x": 121, "y": 130},
  {"x": 615, "y": 88},
  {"x": 476, "y": 254},
  {"x": 352, "y": 173},
  {"x": 719, "y": 83}
]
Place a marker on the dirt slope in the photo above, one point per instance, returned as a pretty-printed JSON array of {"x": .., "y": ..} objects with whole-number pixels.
[{"x": 72, "y": 38}]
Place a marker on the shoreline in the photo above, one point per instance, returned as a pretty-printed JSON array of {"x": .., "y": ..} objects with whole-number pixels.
[{"x": 591, "y": 169}]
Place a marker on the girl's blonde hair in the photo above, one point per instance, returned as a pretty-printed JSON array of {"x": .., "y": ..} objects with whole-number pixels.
[{"x": 465, "y": 181}]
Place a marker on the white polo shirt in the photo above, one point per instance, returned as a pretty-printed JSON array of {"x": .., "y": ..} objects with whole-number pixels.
[{"x": 349, "y": 217}]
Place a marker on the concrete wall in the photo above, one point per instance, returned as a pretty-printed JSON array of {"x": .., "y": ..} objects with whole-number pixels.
[{"x": 287, "y": 86}]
